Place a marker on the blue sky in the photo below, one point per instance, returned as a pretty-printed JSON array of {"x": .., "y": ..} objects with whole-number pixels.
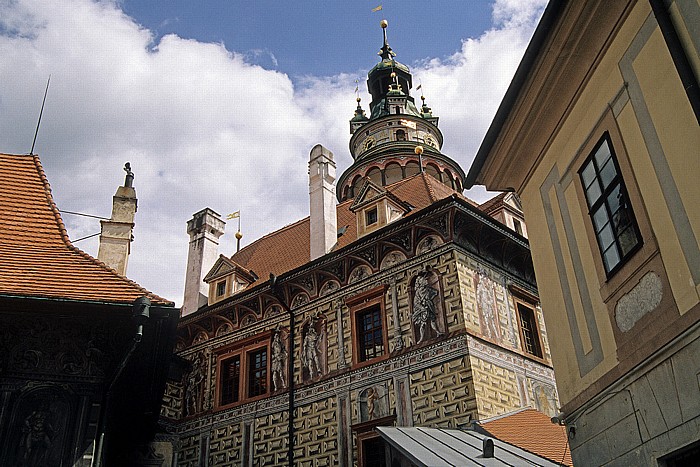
[
  {"x": 318, "y": 37},
  {"x": 217, "y": 104}
]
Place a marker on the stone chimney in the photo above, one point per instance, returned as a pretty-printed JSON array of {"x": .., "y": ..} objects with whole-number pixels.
[
  {"x": 322, "y": 214},
  {"x": 204, "y": 229},
  {"x": 116, "y": 233}
]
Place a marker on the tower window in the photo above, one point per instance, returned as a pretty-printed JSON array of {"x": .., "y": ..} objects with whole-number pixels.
[
  {"x": 400, "y": 135},
  {"x": 397, "y": 109}
]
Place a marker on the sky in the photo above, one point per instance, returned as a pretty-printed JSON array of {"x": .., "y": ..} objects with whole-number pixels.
[{"x": 218, "y": 103}]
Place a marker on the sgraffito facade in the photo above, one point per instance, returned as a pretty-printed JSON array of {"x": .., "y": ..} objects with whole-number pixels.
[{"x": 411, "y": 306}]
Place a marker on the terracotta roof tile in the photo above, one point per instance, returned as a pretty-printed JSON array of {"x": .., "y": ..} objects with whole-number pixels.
[
  {"x": 37, "y": 258},
  {"x": 288, "y": 247},
  {"x": 532, "y": 431}
]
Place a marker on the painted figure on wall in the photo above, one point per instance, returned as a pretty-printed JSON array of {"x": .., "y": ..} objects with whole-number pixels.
[
  {"x": 425, "y": 310},
  {"x": 193, "y": 389},
  {"x": 486, "y": 301},
  {"x": 313, "y": 348},
  {"x": 37, "y": 438},
  {"x": 372, "y": 403},
  {"x": 279, "y": 361}
]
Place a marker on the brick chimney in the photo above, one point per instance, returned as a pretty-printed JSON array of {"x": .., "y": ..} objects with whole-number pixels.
[
  {"x": 116, "y": 233},
  {"x": 205, "y": 228},
  {"x": 322, "y": 214}
]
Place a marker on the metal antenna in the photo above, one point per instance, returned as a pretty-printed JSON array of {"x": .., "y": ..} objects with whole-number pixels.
[{"x": 31, "y": 152}]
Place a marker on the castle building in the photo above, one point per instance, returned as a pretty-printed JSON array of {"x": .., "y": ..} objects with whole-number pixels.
[
  {"x": 599, "y": 134},
  {"x": 397, "y": 302}
]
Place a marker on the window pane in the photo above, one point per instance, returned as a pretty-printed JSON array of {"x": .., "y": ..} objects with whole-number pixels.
[
  {"x": 371, "y": 334},
  {"x": 600, "y": 218},
  {"x": 593, "y": 193},
  {"x": 611, "y": 258},
  {"x": 602, "y": 155},
  {"x": 257, "y": 373},
  {"x": 588, "y": 174},
  {"x": 230, "y": 378},
  {"x": 608, "y": 173},
  {"x": 628, "y": 240},
  {"x": 606, "y": 237}
]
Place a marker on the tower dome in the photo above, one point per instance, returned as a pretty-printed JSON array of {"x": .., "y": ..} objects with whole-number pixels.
[{"x": 383, "y": 144}]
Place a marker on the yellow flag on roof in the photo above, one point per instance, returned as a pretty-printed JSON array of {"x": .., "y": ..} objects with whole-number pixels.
[
  {"x": 377, "y": 9},
  {"x": 234, "y": 215}
]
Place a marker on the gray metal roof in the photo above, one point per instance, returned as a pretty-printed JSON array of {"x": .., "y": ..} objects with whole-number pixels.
[{"x": 438, "y": 447}]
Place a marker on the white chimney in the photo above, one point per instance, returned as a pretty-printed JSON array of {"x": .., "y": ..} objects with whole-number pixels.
[
  {"x": 324, "y": 228},
  {"x": 116, "y": 233},
  {"x": 204, "y": 229}
]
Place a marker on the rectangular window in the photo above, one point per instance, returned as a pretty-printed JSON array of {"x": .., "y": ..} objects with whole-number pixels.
[
  {"x": 220, "y": 288},
  {"x": 529, "y": 331},
  {"x": 373, "y": 452},
  {"x": 243, "y": 374},
  {"x": 370, "y": 333},
  {"x": 230, "y": 380},
  {"x": 608, "y": 205},
  {"x": 371, "y": 216},
  {"x": 257, "y": 372}
]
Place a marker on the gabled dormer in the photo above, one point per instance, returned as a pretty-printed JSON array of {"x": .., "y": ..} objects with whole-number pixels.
[
  {"x": 226, "y": 278},
  {"x": 374, "y": 207}
]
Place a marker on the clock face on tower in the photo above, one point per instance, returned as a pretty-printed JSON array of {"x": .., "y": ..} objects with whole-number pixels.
[{"x": 369, "y": 142}]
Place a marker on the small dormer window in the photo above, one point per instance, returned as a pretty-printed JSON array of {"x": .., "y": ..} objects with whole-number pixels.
[
  {"x": 397, "y": 109},
  {"x": 220, "y": 288},
  {"x": 371, "y": 216}
]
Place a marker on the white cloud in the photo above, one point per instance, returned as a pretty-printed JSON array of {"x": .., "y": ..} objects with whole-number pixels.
[{"x": 200, "y": 124}]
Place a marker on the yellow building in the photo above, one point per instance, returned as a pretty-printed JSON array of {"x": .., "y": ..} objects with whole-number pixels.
[
  {"x": 397, "y": 302},
  {"x": 598, "y": 134}
]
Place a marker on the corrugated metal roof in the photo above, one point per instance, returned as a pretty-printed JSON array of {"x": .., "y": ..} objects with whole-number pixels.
[{"x": 439, "y": 447}]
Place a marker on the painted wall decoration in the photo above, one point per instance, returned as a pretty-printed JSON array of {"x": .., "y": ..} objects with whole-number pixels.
[
  {"x": 427, "y": 311},
  {"x": 487, "y": 305},
  {"x": 391, "y": 259},
  {"x": 545, "y": 398},
  {"x": 278, "y": 358},
  {"x": 359, "y": 273},
  {"x": 329, "y": 287},
  {"x": 273, "y": 310},
  {"x": 427, "y": 244},
  {"x": 224, "y": 328},
  {"x": 373, "y": 402},
  {"x": 314, "y": 347},
  {"x": 194, "y": 385},
  {"x": 299, "y": 300}
]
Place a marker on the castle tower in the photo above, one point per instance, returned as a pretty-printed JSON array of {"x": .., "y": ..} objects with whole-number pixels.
[
  {"x": 384, "y": 144},
  {"x": 116, "y": 233}
]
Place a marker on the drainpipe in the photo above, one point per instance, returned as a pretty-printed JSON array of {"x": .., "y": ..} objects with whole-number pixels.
[
  {"x": 277, "y": 293},
  {"x": 141, "y": 314}
]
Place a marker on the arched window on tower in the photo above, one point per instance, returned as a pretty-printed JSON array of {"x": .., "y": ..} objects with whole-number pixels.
[
  {"x": 430, "y": 169},
  {"x": 392, "y": 173},
  {"x": 412, "y": 169},
  {"x": 400, "y": 135},
  {"x": 375, "y": 175}
]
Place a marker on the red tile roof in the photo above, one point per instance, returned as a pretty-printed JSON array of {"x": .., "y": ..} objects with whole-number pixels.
[
  {"x": 532, "y": 431},
  {"x": 288, "y": 248},
  {"x": 37, "y": 258}
]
